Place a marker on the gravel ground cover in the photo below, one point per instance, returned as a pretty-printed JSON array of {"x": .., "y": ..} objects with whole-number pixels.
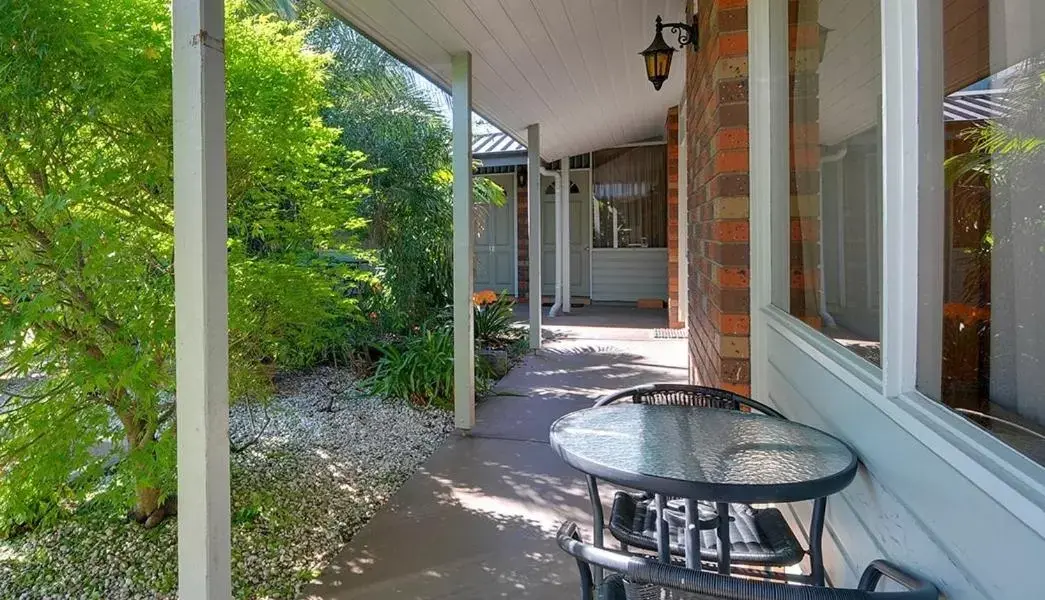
[{"x": 299, "y": 493}]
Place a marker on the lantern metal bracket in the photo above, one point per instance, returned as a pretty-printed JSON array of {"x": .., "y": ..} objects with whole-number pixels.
[{"x": 687, "y": 35}]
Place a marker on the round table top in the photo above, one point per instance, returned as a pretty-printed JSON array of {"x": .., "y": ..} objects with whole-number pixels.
[{"x": 704, "y": 453}]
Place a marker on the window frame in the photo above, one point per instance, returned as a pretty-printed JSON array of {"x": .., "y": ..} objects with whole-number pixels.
[{"x": 912, "y": 201}]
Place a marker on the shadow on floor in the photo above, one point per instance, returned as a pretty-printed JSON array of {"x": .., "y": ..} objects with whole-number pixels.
[
  {"x": 570, "y": 375},
  {"x": 600, "y": 316},
  {"x": 478, "y": 520}
]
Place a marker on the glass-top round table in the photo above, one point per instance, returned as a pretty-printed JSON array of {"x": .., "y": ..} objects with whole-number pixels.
[{"x": 706, "y": 454}]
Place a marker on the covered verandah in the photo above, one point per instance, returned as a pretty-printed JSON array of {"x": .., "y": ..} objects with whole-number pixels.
[
  {"x": 551, "y": 112},
  {"x": 935, "y": 492}
]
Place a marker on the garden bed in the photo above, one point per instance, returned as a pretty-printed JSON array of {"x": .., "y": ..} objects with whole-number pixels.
[{"x": 313, "y": 478}]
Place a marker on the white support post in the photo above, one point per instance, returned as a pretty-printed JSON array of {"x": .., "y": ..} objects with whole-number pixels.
[
  {"x": 564, "y": 240},
  {"x": 201, "y": 300},
  {"x": 533, "y": 209},
  {"x": 464, "y": 242},
  {"x": 557, "y": 303}
]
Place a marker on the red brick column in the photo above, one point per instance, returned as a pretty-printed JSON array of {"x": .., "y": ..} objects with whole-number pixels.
[
  {"x": 672, "y": 135},
  {"x": 523, "y": 235},
  {"x": 717, "y": 151}
]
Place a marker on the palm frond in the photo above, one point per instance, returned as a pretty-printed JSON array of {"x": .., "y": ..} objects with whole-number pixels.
[{"x": 285, "y": 9}]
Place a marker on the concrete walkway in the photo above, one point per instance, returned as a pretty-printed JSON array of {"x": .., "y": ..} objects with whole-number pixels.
[{"x": 478, "y": 520}]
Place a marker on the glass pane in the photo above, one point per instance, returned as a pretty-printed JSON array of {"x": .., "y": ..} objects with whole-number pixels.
[
  {"x": 835, "y": 202},
  {"x": 992, "y": 350},
  {"x": 630, "y": 207}
]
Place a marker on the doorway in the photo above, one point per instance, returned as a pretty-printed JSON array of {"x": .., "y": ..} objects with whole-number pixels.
[
  {"x": 495, "y": 255},
  {"x": 580, "y": 234}
]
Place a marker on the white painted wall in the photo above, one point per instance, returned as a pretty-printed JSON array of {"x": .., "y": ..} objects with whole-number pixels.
[
  {"x": 629, "y": 274},
  {"x": 907, "y": 504}
]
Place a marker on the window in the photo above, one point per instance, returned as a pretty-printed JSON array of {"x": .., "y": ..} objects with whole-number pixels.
[
  {"x": 630, "y": 197},
  {"x": 831, "y": 276},
  {"x": 989, "y": 362}
]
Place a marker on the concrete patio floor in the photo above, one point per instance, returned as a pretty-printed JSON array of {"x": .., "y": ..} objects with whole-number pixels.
[{"x": 478, "y": 520}]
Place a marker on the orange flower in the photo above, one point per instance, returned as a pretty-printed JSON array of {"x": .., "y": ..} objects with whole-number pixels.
[
  {"x": 484, "y": 297},
  {"x": 966, "y": 314}
]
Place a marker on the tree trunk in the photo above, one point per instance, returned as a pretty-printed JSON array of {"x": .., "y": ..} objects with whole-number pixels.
[
  {"x": 147, "y": 508},
  {"x": 147, "y": 502}
]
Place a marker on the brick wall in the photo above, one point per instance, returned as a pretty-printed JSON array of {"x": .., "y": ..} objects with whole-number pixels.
[
  {"x": 671, "y": 127},
  {"x": 718, "y": 202},
  {"x": 523, "y": 235}
]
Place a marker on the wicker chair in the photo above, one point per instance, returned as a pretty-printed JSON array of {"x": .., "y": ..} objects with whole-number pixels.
[
  {"x": 760, "y": 537},
  {"x": 634, "y": 577}
]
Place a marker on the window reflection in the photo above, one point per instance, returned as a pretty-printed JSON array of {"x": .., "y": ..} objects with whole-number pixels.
[
  {"x": 835, "y": 213},
  {"x": 994, "y": 262}
]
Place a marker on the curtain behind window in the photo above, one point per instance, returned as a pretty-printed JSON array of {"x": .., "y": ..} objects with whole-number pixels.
[{"x": 630, "y": 208}]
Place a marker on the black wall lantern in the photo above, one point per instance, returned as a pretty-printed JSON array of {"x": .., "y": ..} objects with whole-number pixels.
[{"x": 658, "y": 55}]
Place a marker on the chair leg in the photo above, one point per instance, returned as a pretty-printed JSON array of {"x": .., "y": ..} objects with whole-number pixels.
[
  {"x": 816, "y": 542},
  {"x": 723, "y": 537},
  {"x": 598, "y": 523},
  {"x": 663, "y": 545}
]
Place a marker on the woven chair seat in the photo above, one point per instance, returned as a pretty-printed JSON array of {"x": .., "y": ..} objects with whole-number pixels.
[
  {"x": 616, "y": 587},
  {"x": 759, "y": 536}
]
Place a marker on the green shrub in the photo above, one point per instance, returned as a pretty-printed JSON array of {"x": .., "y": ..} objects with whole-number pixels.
[
  {"x": 86, "y": 240},
  {"x": 420, "y": 370},
  {"x": 289, "y": 316},
  {"x": 380, "y": 109}
]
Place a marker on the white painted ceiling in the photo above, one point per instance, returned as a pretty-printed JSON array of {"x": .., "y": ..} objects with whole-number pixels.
[{"x": 570, "y": 65}]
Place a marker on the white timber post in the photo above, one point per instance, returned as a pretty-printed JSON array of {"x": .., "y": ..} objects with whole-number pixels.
[
  {"x": 564, "y": 239},
  {"x": 557, "y": 303},
  {"x": 201, "y": 300},
  {"x": 464, "y": 244},
  {"x": 533, "y": 210}
]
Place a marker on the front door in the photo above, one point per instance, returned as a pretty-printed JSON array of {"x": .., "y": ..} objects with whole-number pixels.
[
  {"x": 495, "y": 241},
  {"x": 580, "y": 234}
]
